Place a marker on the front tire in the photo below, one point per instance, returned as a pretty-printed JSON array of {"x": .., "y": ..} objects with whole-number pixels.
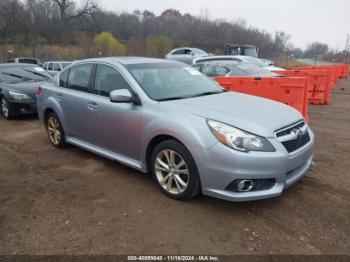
[
  {"x": 55, "y": 130},
  {"x": 175, "y": 171},
  {"x": 5, "y": 108}
]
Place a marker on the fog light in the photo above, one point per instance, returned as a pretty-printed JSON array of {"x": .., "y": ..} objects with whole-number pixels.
[
  {"x": 245, "y": 185},
  {"x": 250, "y": 185}
]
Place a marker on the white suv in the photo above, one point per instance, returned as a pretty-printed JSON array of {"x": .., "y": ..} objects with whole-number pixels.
[{"x": 52, "y": 67}]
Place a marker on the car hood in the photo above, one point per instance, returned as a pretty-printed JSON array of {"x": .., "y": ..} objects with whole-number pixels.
[
  {"x": 250, "y": 113},
  {"x": 28, "y": 88}
]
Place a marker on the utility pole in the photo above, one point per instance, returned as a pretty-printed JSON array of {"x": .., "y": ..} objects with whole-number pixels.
[
  {"x": 316, "y": 54},
  {"x": 347, "y": 48}
]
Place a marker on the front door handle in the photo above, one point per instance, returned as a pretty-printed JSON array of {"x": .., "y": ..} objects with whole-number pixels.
[{"x": 92, "y": 106}]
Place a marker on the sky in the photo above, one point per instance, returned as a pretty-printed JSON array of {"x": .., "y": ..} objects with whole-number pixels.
[{"x": 306, "y": 21}]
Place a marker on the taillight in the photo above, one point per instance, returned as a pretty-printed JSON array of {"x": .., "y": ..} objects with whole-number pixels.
[{"x": 38, "y": 91}]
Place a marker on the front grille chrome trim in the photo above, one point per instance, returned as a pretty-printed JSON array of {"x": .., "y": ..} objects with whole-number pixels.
[
  {"x": 293, "y": 134},
  {"x": 289, "y": 136}
]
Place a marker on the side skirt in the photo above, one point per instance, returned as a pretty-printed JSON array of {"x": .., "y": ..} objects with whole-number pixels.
[{"x": 107, "y": 153}]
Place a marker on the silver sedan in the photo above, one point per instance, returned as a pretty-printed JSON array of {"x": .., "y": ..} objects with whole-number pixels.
[{"x": 168, "y": 119}]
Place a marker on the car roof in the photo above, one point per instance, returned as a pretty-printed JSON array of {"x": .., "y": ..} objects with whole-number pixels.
[
  {"x": 218, "y": 58},
  {"x": 17, "y": 65},
  {"x": 58, "y": 62},
  {"x": 224, "y": 63},
  {"x": 129, "y": 60},
  {"x": 31, "y": 58}
]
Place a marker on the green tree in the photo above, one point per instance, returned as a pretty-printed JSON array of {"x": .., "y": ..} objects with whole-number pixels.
[
  {"x": 107, "y": 45},
  {"x": 158, "y": 46}
]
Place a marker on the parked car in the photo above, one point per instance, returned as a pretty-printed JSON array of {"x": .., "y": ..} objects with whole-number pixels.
[
  {"x": 261, "y": 62},
  {"x": 18, "y": 84},
  {"x": 166, "y": 118},
  {"x": 25, "y": 60},
  {"x": 244, "y": 50},
  {"x": 52, "y": 67},
  {"x": 233, "y": 68},
  {"x": 246, "y": 59},
  {"x": 186, "y": 54}
]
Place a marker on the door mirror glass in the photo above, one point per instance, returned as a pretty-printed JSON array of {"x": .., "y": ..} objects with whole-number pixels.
[{"x": 121, "y": 96}]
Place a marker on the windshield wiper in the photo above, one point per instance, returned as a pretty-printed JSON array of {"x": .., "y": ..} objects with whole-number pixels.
[
  {"x": 209, "y": 93},
  {"x": 172, "y": 98},
  {"x": 18, "y": 76},
  {"x": 36, "y": 73}
]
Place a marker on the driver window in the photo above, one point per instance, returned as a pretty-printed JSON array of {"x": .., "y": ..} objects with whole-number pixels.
[{"x": 108, "y": 79}]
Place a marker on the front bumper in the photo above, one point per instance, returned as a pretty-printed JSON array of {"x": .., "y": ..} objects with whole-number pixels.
[
  {"x": 219, "y": 166},
  {"x": 23, "y": 106}
]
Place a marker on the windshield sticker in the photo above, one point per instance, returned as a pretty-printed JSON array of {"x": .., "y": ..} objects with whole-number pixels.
[
  {"x": 39, "y": 69},
  {"x": 192, "y": 71}
]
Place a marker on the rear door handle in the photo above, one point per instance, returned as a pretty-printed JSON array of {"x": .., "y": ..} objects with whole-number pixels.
[{"x": 92, "y": 106}]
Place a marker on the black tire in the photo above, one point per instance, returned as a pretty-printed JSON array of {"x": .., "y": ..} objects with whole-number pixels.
[
  {"x": 9, "y": 114},
  {"x": 61, "y": 142},
  {"x": 193, "y": 181}
]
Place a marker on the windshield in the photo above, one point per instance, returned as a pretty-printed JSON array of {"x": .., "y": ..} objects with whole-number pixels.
[
  {"x": 199, "y": 51},
  {"x": 28, "y": 61},
  {"x": 167, "y": 81},
  {"x": 250, "y": 51},
  {"x": 22, "y": 74},
  {"x": 233, "y": 51}
]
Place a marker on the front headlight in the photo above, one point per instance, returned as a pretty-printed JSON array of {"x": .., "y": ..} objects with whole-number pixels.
[
  {"x": 19, "y": 96},
  {"x": 238, "y": 139}
]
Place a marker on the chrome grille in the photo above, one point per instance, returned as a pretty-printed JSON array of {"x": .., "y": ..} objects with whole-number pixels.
[
  {"x": 295, "y": 144},
  {"x": 294, "y": 137}
]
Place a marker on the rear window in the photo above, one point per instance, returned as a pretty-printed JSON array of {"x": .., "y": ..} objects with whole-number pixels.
[
  {"x": 252, "y": 69},
  {"x": 27, "y": 61}
]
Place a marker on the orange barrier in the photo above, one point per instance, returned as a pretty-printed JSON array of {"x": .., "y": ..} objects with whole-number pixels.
[
  {"x": 288, "y": 90},
  {"x": 333, "y": 69},
  {"x": 340, "y": 71},
  {"x": 320, "y": 84},
  {"x": 345, "y": 71}
]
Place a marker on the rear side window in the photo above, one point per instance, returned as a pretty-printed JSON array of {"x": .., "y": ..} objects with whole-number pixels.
[
  {"x": 108, "y": 79},
  {"x": 79, "y": 77},
  {"x": 64, "y": 79},
  {"x": 179, "y": 52},
  {"x": 50, "y": 67},
  {"x": 57, "y": 67}
]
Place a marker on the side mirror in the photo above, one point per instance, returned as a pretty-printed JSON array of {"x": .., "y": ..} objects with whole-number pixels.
[{"x": 123, "y": 96}]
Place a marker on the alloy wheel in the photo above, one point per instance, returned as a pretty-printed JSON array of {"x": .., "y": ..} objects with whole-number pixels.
[
  {"x": 171, "y": 172},
  {"x": 53, "y": 128},
  {"x": 4, "y": 108}
]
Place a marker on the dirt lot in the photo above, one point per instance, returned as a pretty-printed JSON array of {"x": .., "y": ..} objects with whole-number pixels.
[{"x": 74, "y": 202}]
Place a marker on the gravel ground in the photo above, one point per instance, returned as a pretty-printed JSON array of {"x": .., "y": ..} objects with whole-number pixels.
[{"x": 73, "y": 202}]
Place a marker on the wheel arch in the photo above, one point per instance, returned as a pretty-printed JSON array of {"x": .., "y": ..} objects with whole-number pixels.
[{"x": 156, "y": 140}]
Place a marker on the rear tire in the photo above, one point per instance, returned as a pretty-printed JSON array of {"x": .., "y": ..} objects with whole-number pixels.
[
  {"x": 175, "y": 171},
  {"x": 55, "y": 130}
]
